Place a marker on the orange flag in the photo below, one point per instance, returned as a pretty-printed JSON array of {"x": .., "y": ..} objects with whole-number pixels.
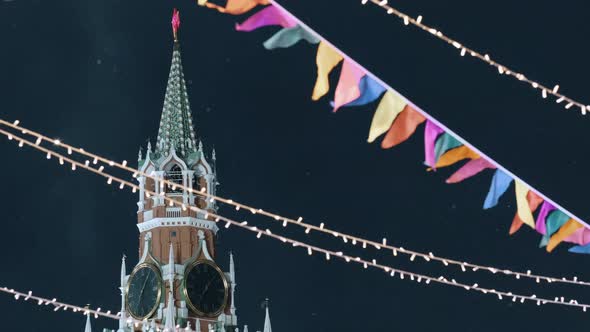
[
  {"x": 454, "y": 155},
  {"x": 235, "y": 7},
  {"x": 403, "y": 127},
  {"x": 570, "y": 227},
  {"x": 534, "y": 201}
]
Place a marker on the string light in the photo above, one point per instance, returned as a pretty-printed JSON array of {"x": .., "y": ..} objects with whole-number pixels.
[
  {"x": 299, "y": 222},
  {"x": 310, "y": 249},
  {"x": 502, "y": 69},
  {"x": 65, "y": 306},
  {"x": 57, "y": 305}
]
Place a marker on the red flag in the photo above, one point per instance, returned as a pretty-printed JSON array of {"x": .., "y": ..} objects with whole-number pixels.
[
  {"x": 403, "y": 127},
  {"x": 175, "y": 22},
  {"x": 534, "y": 202}
]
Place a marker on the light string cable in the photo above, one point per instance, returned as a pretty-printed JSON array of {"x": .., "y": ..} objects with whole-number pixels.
[
  {"x": 310, "y": 248},
  {"x": 59, "y": 305},
  {"x": 502, "y": 69},
  {"x": 353, "y": 240},
  {"x": 77, "y": 309}
]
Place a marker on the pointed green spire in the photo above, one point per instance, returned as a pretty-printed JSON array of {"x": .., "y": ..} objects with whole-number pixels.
[{"x": 176, "y": 125}]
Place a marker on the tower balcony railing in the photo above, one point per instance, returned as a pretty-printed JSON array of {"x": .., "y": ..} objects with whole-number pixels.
[{"x": 173, "y": 212}]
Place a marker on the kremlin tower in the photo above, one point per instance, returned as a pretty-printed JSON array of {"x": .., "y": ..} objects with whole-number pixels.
[{"x": 177, "y": 283}]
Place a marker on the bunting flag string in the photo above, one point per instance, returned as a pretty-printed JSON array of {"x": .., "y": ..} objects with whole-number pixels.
[
  {"x": 234, "y": 7},
  {"x": 464, "y": 266},
  {"x": 398, "y": 119},
  {"x": 392, "y": 271}
]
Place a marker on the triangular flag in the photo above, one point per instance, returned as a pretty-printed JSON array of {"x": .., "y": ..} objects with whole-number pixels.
[
  {"x": 389, "y": 107},
  {"x": 534, "y": 201},
  {"x": 555, "y": 220},
  {"x": 523, "y": 209},
  {"x": 470, "y": 169},
  {"x": 288, "y": 37},
  {"x": 581, "y": 236},
  {"x": 431, "y": 133},
  {"x": 500, "y": 183},
  {"x": 455, "y": 155},
  {"x": 326, "y": 59},
  {"x": 347, "y": 89},
  {"x": 585, "y": 249},
  {"x": 444, "y": 143},
  {"x": 268, "y": 16},
  {"x": 546, "y": 208},
  {"x": 403, "y": 127},
  {"x": 566, "y": 230},
  {"x": 235, "y": 7},
  {"x": 370, "y": 91}
]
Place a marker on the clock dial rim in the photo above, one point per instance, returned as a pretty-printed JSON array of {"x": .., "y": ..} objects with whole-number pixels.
[
  {"x": 190, "y": 304},
  {"x": 156, "y": 270}
]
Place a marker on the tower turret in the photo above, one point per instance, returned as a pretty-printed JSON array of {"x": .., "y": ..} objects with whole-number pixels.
[
  {"x": 123, "y": 316},
  {"x": 267, "y": 327}
]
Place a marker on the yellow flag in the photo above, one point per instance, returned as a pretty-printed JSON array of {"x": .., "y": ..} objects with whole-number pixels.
[
  {"x": 522, "y": 204},
  {"x": 455, "y": 155},
  {"x": 326, "y": 60},
  {"x": 570, "y": 227},
  {"x": 389, "y": 107}
]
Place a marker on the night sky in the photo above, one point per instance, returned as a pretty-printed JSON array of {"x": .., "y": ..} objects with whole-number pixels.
[{"x": 93, "y": 73}]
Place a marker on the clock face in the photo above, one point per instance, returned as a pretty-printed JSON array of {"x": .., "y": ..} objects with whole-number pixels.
[
  {"x": 205, "y": 288},
  {"x": 144, "y": 289}
]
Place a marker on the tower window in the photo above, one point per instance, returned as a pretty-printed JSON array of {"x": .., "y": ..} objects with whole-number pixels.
[
  {"x": 175, "y": 176},
  {"x": 173, "y": 234},
  {"x": 196, "y": 183}
]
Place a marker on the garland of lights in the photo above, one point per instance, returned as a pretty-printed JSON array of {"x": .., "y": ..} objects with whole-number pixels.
[
  {"x": 310, "y": 248},
  {"x": 60, "y": 305},
  {"x": 77, "y": 309},
  {"x": 502, "y": 70},
  {"x": 299, "y": 222}
]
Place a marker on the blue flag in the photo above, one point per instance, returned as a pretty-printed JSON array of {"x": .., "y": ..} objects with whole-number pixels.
[
  {"x": 444, "y": 143},
  {"x": 554, "y": 221},
  {"x": 500, "y": 183},
  {"x": 585, "y": 249},
  {"x": 288, "y": 37}
]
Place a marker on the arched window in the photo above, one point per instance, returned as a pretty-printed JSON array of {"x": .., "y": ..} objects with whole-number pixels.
[
  {"x": 174, "y": 175},
  {"x": 196, "y": 182}
]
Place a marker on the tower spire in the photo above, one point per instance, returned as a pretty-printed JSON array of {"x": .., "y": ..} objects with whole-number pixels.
[
  {"x": 176, "y": 125},
  {"x": 171, "y": 309},
  {"x": 232, "y": 277},
  {"x": 170, "y": 319},
  {"x": 267, "y": 327},
  {"x": 123, "y": 317},
  {"x": 88, "y": 327}
]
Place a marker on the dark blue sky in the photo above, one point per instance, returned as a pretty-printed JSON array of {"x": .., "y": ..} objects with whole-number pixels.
[{"x": 94, "y": 74}]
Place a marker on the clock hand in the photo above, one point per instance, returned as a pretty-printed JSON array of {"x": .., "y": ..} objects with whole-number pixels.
[
  {"x": 143, "y": 287},
  {"x": 207, "y": 287}
]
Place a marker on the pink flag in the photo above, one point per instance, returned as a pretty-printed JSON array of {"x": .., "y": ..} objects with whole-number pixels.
[
  {"x": 470, "y": 169},
  {"x": 348, "y": 85},
  {"x": 431, "y": 132},
  {"x": 270, "y": 15},
  {"x": 175, "y": 22},
  {"x": 580, "y": 236}
]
